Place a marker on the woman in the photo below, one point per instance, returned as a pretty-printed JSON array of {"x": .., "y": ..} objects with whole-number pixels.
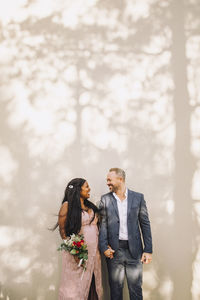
[{"x": 80, "y": 216}]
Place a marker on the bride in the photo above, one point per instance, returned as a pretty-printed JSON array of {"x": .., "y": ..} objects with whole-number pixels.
[{"x": 80, "y": 216}]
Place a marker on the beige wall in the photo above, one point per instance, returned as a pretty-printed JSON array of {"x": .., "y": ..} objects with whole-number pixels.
[{"x": 85, "y": 86}]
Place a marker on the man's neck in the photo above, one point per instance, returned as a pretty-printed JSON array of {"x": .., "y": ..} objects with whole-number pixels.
[{"x": 121, "y": 192}]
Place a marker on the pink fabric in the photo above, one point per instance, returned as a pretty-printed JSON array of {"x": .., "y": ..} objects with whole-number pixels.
[{"x": 71, "y": 286}]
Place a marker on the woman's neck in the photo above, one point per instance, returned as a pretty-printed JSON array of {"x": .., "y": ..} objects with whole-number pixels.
[{"x": 83, "y": 205}]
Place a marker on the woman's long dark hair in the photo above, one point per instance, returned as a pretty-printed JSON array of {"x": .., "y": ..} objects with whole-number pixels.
[{"x": 72, "y": 196}]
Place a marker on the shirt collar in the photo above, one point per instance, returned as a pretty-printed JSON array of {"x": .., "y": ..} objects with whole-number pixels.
[{"x": 126, "y": 193}]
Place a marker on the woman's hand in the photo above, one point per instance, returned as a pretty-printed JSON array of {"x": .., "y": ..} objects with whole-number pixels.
[{"x": 77, "y": 260}]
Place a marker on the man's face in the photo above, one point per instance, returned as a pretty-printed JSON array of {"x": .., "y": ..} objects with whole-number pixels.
[{"x": 113, "y": 181}]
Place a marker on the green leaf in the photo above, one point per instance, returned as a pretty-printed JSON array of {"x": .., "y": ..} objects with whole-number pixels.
[{"x": 73, "y": 252}]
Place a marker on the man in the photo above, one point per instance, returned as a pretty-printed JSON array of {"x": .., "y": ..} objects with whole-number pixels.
[{"x": 125, "y": 236}]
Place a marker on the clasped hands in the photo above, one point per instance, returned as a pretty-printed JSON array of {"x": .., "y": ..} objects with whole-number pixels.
[
  {"x": 146, "y": 257},
  {"x": 109, "y": 252}
]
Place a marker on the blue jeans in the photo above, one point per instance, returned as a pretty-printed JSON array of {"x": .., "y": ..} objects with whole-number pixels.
[{"x": 123, "y": 264}]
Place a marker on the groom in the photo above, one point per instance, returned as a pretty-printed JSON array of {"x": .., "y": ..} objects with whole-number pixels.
[{"x": 125, "y": 236}]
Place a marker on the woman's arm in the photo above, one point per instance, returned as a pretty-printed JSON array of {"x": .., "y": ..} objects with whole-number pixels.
[{"x": 62, "y": 220}]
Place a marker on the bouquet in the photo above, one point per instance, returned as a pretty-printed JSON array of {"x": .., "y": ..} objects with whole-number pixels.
[{"x": 76, "y": 246}]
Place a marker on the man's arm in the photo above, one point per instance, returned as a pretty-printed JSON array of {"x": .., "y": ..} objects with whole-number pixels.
[
  {"x": 103, "y": 233},
  {"x": 145, "y": 226}
]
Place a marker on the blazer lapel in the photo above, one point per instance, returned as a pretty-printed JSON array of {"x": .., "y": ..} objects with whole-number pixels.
[{"x": 114, "y": 203}]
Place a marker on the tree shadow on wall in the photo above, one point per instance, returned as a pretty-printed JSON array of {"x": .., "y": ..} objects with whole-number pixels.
[{"x": 98, "y": 53}]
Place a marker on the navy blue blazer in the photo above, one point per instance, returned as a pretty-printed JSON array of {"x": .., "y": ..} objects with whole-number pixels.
[{"x": 139, "y": 230}]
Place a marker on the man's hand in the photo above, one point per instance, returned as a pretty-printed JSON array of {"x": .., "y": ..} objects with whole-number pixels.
[
  {"x": 146, "y": 258},
  {"x": 109, "y": 252}
]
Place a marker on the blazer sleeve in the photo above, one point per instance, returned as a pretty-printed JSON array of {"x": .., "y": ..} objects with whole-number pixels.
[
  {"x": 103, "y": 232},
  {"x": 145, "y": 226}
]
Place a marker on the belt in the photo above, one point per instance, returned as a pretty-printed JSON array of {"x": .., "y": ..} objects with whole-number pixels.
[{"x": 123, "y": 244}]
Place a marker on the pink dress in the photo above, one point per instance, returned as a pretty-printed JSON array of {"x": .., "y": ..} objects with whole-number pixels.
[{"x": 75, "y": 283}]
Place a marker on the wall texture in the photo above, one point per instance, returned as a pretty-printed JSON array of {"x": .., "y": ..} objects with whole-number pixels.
[{"x": 89, "y": 85}]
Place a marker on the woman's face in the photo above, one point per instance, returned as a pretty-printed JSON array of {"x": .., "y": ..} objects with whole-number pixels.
[{"x": 85, "y": 191}]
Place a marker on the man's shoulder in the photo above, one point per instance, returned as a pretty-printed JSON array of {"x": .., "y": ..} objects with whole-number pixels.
[
  {"x": 106, "y": 199},
  {"x": 106, "y": 196},
  {"x": 134, "y": 193}
]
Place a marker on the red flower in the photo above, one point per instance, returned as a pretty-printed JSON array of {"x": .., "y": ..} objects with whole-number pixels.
[
  {"x": 78, "y": 244},
  {"x": 74, "y": 243}
]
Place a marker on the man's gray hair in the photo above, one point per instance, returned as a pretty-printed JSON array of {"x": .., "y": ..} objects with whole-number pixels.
[{"x": 119, "y": 172}]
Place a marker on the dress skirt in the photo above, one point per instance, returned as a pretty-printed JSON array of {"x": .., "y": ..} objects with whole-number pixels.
[{"x": 75, "y": 282}]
